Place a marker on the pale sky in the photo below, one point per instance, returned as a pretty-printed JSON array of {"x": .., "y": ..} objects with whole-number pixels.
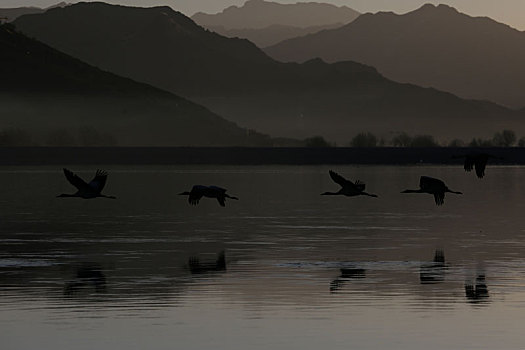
[{"x": 511, "y": 12}]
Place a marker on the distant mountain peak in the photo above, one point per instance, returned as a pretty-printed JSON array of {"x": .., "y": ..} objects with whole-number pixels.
[
  {"x": 257, "y": 14},
  {"x": 431, "y": 8}
]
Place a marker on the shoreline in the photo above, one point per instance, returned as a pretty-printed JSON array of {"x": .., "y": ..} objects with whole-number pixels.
[{"x": 248, "y": 156}]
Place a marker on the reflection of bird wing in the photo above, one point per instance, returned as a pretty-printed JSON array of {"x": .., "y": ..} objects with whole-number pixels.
[
  {"x": 99, "y": 181},
  {"x": 480, "y": 169},
  {"x": 469, "y": 164},
  {"x": 75, "y": 180},
  {"x": 196, "y": 194}
]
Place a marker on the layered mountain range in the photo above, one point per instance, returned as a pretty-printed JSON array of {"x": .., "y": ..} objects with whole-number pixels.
[
  {"x": 266, "y": 23},
  {"x": 434, "y": 46},
  {"x": 51, "y": 95},
  {"x": 261, "y": 14},
  {"x": 235, "y": 79}
]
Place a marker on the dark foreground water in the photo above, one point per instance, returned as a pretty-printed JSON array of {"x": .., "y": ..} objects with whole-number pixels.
[{"x": 145, "y": 271}]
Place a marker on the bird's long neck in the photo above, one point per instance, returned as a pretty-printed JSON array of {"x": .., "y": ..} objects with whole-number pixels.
[
  {"x": 65, "y": 195},
  {"x": 330, "y": 194},
  {"x": 231, "y": 197}
]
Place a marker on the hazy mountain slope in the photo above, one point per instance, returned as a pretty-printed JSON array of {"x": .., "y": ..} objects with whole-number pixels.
[
  {"x": 237, "y": 80},
  {"x": 154, "y": 45},
  {"x": 44, "y": 91},
  {"x": 257, "y": 14},
  {"x": 432, "y": 46},
  {"x": 10, "y": 14},
  {"x": 271, "y": 35}
]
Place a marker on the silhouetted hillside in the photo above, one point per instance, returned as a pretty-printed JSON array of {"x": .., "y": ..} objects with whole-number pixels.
[
  {"x": 238, "y": 81},
  {"x": 433, "y": 46},
  {"x": 45, "y": 92},
  {"x": 257, "y": 14}
]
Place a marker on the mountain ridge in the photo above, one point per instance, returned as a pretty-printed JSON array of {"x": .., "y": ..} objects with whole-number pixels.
[
  {"x": 258, "y": 14},
  {"x": 266, "y": 23},
  {"x": 473, "y": 57}
]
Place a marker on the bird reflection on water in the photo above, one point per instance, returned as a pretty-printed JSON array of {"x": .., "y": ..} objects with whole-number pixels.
[
  {"x": 197, "y": 267},
  {"x": 478, "y": 292},
  {"x": 88, "y": 277},
  {"x": 435, "y": 271},
  {"x": 347, "y": 274}
]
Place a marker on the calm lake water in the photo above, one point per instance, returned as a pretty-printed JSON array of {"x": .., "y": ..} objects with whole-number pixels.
[{"x": 141, "y": 272}]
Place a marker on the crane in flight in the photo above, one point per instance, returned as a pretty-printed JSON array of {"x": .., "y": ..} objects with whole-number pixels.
[
  {"x": 86, "y": 190},
  {"x": 348, "y": 188},
  {"x": 433, "y": 186},
  {"x": 199, "y": 191},
  {"x": 477, "y": 161}
]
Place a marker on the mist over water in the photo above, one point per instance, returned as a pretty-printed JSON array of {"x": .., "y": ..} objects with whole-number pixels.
[{"x": 144, "y": 271}]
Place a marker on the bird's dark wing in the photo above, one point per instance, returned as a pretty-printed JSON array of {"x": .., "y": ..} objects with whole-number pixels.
[
  {"x": 439, "y": 197},
  {"x": 99, "y": 181},
  {"x": 218, "y": 189},
  {"x": 424, "y": 182},
  {"x": 75, "y": 180},
  {"x": 221, "y": 201},
  {"x": 196, "y": 194},
  {"x": 338, "y": 179},
  {"x": 480, "y": 169},
  {"x": 431, "y": 184},
  {"x": 469, "y": 164},
  {"x": 360, "y": 186}
]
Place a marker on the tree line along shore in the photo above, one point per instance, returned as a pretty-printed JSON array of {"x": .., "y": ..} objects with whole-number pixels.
[{"x": 87, "y": 136}]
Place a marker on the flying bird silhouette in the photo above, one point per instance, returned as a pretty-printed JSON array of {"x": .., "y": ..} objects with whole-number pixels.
[
  {"x": 433, "y": 186},
  {"x": 199, "y": 191},
  {"x": 348, "y": 188},
  {"x": 477, "y": 161},
  {"x": 87, "y": 190}
]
